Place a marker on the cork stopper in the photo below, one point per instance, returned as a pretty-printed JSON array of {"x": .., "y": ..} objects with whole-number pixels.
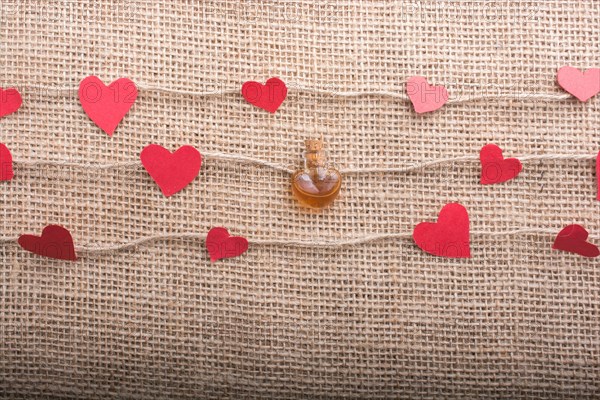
[
  {"x": 314, "y": 145},
  {"x": 314, "y": 155}
]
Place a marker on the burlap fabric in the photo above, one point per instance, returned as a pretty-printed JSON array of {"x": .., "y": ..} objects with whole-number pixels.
[{"x": 377, "y": 320}]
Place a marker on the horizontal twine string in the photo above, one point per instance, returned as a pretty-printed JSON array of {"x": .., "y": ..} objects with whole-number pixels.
[
  {"x": 294, "y": 243},
  {"x": 340, "y": 93},
  {"x": 255, "y": 161}
]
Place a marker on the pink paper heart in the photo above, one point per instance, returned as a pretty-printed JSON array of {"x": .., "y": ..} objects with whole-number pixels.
[
  {"x": 583, "y": 85},
  {"x": 425, "y": 97},
  {"x": 107, "y": 105}
]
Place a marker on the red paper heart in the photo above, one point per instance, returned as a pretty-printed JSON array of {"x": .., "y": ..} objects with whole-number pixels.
[
  {"x": 55, "y": 242},
  {"x": 449, "y": 236},
  {"x": 171, "y": 171},
  {"x": 583, "y": 85},
  {"x": 221, "y": 245},
  {"x": 6, "y": 164},
  {"x": 107, "y": 105},
  {"x": 495, "y": 168},
  {"x": 268, "y": 97},
  {"x": 573, "y": 239},
  {"x": 10, "y": 101},
  {"x": 425, "y": 97}
]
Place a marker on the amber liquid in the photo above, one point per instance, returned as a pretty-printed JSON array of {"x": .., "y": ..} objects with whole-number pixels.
[{"x": 316, "y": 187}]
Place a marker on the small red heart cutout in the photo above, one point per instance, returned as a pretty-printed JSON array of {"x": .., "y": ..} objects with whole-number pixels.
[
  {"x": 495, "y": 168},
  {"x": 573, "y": 239},
  {"x": 171, "y": 171},
  {"x": 55, "y": 242},
  {"x": 268, "y": 97},
  {"x": 10, "y": 101},
  {"x": 221, "y": 245},
  {"x": 583, "y": 85},
  {"x": 449, "y": 236},
  {"x": 107, "y": 105},
  {"x": 6, "y": 164},
  {"x": 425, "y": 97}
]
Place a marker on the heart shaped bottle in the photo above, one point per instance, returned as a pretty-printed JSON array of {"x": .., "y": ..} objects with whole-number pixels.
[{"x": 318, "y": 184}]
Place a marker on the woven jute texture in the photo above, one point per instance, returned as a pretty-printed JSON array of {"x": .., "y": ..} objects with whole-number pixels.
[{"x": 370, "y": 320}]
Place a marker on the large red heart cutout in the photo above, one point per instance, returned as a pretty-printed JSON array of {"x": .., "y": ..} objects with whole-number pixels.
[
  {"x": 583, "y": 85},
  {"x": 573, "y": 239},
  {"x": 449, "y": 236},
  {"x": 495, "y": 168},
  {"x": 221, "y": 245},
  {"x": 55, "y": 242},
  {"x": 10, "y": 101},
  {"x": 6, "y": 164},
  {"x": 107, "y": 105},
  {"x": 268, "y": 97},
  {"x": 171, "y": 171},
  {"x": 425, "y": 97}
]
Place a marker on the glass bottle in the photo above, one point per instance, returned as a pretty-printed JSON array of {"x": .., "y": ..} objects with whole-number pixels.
[{"x": 318, "y": 184}]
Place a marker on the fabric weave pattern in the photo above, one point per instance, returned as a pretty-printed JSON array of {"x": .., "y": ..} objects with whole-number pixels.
[{"x": 375, "y": 320}]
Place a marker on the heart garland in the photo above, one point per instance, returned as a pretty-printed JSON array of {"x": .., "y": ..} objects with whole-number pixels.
[
  {"x": 448, "y": 237},
  {"x": 107, "y": 105}
]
